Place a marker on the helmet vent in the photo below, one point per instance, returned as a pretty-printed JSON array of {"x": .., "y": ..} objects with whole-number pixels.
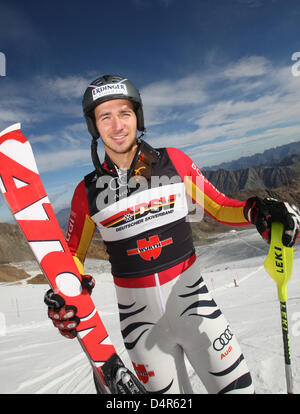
[{"x": 108, "y": 79}]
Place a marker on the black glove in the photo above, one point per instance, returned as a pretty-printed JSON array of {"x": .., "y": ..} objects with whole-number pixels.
[
  {"x": 62, "y": 315},
  {"x": 263, "y": 212}
]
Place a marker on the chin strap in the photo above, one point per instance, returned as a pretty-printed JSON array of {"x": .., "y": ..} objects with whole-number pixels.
[{"x": 94, "y": 154}]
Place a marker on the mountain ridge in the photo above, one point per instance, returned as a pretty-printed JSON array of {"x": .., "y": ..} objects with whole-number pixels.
[
  {"x": 270, "y": 157},
  {"x": 231, "y": 181}
]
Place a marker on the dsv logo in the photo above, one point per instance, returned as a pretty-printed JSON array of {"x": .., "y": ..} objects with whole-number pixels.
[{"x": 223, "y": 339}]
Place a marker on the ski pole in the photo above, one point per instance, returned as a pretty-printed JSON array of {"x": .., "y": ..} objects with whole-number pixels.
[{"x": 279, "y": 265}]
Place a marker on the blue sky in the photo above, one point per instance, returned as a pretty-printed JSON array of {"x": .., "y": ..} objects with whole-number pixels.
[{"x": 215, "y": 76}]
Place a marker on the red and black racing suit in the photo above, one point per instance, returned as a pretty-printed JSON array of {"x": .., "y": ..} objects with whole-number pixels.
[{"x": 165, "y": 308}]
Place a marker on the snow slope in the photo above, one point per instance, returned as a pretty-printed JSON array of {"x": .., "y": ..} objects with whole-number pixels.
[{"x": 36, "y": 359}]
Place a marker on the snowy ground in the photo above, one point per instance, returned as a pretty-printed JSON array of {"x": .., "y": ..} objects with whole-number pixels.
[{"x": 36, "y": 359}]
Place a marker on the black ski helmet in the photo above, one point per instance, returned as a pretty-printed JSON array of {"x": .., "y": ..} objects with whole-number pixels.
[{"x": 106, "y": 88}]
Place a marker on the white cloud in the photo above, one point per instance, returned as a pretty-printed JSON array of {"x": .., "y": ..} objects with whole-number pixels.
[
  {"x": 184, "y": 91},
  {"x": 165, "y": 100},
  {"x": 217, "y": 114},
  {"x": 249, "y": 67},
  {"x": 246, "y": 108},
  {"x": 56, "y": 160},
  {"x": 68, "y": 87},
  {"x": 36, "y": 103},
  {"x": 10, "y": 116},
  {"x": 160, "y": 99}
]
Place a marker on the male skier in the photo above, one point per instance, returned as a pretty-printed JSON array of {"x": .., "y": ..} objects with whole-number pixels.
[{"x": 137, "y": 197}]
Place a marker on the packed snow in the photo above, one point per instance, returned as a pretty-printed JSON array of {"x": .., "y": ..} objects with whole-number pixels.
[{"x": 35, "y": 359}]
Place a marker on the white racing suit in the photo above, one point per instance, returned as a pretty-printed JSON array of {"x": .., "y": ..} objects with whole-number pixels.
[
  {"x": 167, "y": 318},
  {"x": 165, "y": 308}
]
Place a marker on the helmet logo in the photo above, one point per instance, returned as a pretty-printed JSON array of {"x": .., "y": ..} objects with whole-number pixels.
[{"x": 109, "y": 89}]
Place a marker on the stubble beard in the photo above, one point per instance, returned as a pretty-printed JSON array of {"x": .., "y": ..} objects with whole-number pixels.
[{"x": 122, "y": 150}]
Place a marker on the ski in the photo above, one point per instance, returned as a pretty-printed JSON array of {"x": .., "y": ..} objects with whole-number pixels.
[{"x": 27, "y": 199}]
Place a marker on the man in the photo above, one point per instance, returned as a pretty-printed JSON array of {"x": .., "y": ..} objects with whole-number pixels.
[{"x": 138, "y": 199}]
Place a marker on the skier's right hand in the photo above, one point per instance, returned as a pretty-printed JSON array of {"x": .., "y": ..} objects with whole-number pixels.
[
  {"x": 263, "y": 212},
  {"x": 62, "y": 315}
]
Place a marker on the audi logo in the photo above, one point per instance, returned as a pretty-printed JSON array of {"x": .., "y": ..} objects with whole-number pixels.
[{"x": 223, "y": 339}]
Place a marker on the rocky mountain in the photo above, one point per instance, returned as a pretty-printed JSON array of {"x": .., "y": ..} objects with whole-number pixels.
[
  {"x": 14, "y": 247},
  {"x": 229, "y": 181},
  {"x": 270, "y": 157},
  {"x": 281, "y": 181}
]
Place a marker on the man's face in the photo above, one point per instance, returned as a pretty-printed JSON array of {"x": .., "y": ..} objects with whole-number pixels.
[{"x": 117, "y": 125}]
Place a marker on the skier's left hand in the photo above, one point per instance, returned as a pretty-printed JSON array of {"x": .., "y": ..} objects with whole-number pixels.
[
  {"x": 262, "y": 212},
  {"x": 63, "y": 315}
]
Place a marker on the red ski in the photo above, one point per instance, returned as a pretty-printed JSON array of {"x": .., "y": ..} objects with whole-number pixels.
[{"x": 27, "y": 199}]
